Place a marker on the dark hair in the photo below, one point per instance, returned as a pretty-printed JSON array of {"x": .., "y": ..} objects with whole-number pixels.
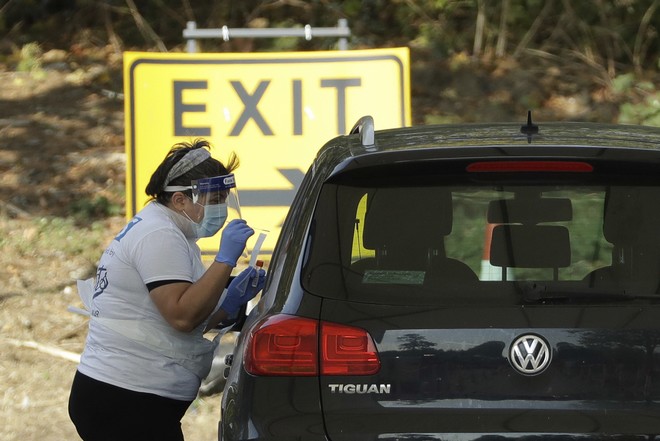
[{"x": 208, "y": 168}]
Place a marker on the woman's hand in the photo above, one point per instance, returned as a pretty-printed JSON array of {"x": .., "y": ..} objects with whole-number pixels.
[
  {"x": 240, "y": 290},
  {"x": 232, "y": 242}
]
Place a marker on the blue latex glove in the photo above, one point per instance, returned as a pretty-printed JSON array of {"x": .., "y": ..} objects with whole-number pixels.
[
  {"x": 233, "y": 240},
  {"x": 240, "y": 290}
]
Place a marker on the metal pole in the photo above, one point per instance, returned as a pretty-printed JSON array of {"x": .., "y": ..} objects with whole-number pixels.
[
  {"x": 191, "y": 43},
  {"x": 343, "y": 41}
]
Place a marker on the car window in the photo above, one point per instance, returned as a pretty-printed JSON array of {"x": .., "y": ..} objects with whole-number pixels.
[
  {"x": 587, "y": 246},
  {"x": 435, "y": 243}
]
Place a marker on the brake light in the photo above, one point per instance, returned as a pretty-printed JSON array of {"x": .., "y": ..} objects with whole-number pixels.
[
  {"x": 285, "y": 345},
  {"x": 347, "y": 350},
  {"x": 530, "y": 166}
]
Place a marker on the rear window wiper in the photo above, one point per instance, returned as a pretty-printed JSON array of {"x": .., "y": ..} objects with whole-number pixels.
[{"x": 539, "y": 292}]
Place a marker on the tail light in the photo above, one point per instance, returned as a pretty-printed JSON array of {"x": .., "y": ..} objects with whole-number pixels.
[
  {"x": 283, "y": 345},
  {"x": 289, "y": 346},
  {"x": 346, "y": 350}
]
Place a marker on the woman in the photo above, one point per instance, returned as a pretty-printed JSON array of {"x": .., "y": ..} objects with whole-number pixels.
[{"x": 153, "y": 299}]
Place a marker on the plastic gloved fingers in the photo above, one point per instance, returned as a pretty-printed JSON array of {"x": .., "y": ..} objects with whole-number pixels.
[
  {"x": 238, "y": 291},
  {"x": 232, "y": 244},
  {"x": 241, "y": 291}
]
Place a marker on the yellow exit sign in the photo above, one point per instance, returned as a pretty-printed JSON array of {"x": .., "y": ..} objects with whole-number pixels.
[{"x": 274, "y": 110}]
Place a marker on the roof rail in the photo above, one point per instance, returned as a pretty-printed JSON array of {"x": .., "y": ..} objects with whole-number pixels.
[{"x": 365, "y": 128}]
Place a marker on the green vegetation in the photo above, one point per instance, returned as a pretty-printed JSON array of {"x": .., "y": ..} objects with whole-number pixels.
[
  {"x": 643, "y": 103},
  {"x": 607, "y": 51},
  {"x": 94, "y": 208},
  {"x": 29, "y": 60},
  {"x": 605, "y": 37}
]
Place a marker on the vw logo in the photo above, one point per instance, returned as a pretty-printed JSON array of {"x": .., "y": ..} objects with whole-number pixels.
[{"x": 530, "y": 354}]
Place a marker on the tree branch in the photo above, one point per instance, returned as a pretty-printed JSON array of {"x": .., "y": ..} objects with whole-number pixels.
[{"x": 144, "y": 27}]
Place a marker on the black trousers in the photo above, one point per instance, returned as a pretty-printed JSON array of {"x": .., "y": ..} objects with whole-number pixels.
[{"x": 103, "y": 412}]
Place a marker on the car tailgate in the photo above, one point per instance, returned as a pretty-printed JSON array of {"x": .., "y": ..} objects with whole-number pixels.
[{"x": 452, "y": 370}]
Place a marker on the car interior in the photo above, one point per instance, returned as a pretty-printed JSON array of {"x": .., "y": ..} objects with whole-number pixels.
[
  {"x": 414, "y": 242},
  {"x": 519, "y": 241},
  {"x": 631, "y": 223},
  {"x": 425, "y": 240},
  {"x": 525, "y": 234}
]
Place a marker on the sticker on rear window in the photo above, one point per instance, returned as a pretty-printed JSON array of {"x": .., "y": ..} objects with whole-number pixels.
[{"x": 394, "y": 277}]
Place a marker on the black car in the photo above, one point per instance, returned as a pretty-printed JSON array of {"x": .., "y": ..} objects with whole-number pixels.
[{"x": 467, "y": 282}]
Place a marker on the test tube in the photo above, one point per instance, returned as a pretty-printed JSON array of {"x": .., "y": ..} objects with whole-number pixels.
[{"x": 259, "y": 265}]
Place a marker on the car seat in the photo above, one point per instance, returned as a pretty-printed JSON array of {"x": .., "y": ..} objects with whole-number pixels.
[
  {"x": 530, "y": 246},
  {"x": 518, "y": 241},
  {"x": 406, "y": 227},
  {"x": 631, "y": 222}
]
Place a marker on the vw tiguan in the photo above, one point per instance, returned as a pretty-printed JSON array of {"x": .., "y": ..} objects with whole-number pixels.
[{"x": 468, "y": 282}]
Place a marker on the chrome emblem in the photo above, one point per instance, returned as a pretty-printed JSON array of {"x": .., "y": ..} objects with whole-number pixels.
[{"x": 530, "y": 354}]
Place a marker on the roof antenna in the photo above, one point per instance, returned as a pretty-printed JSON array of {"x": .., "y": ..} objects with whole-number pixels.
[{"x": 530, "y": 128}]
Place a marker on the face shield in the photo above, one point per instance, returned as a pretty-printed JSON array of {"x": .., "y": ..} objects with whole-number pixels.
[
  {"x": 218, "y": 190},
  {"x": 218, "y": 197}
]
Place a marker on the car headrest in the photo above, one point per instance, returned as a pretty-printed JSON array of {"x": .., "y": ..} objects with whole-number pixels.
[
  {"x": 530, "y": 246},
  {"x": 632, "y": 215},
  {"x": 410, "y": 216},
  {"x": 529, "y": 210}
]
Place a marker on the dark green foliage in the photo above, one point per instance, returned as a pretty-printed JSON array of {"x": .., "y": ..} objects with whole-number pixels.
[
  {"x": 602, "y": 33},
  {"x": 94, "y": 208}
]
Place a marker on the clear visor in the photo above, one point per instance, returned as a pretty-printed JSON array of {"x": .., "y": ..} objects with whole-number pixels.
[{"x": 218, "y": 190}]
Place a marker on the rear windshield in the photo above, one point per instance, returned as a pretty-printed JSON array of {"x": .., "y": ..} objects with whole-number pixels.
[{"x": 518, "y": 242}]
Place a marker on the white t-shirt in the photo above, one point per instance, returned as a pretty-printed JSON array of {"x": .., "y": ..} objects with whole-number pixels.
[{"x": 150, "y": 248}]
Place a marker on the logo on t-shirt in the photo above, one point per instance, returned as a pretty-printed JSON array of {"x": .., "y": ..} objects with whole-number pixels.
[
  {"x": 101, "y": 281},
  {"x": 127, "y": 228}
]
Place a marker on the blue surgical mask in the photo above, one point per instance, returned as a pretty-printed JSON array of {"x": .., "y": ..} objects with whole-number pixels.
[{"x": 214, "y": 218}]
